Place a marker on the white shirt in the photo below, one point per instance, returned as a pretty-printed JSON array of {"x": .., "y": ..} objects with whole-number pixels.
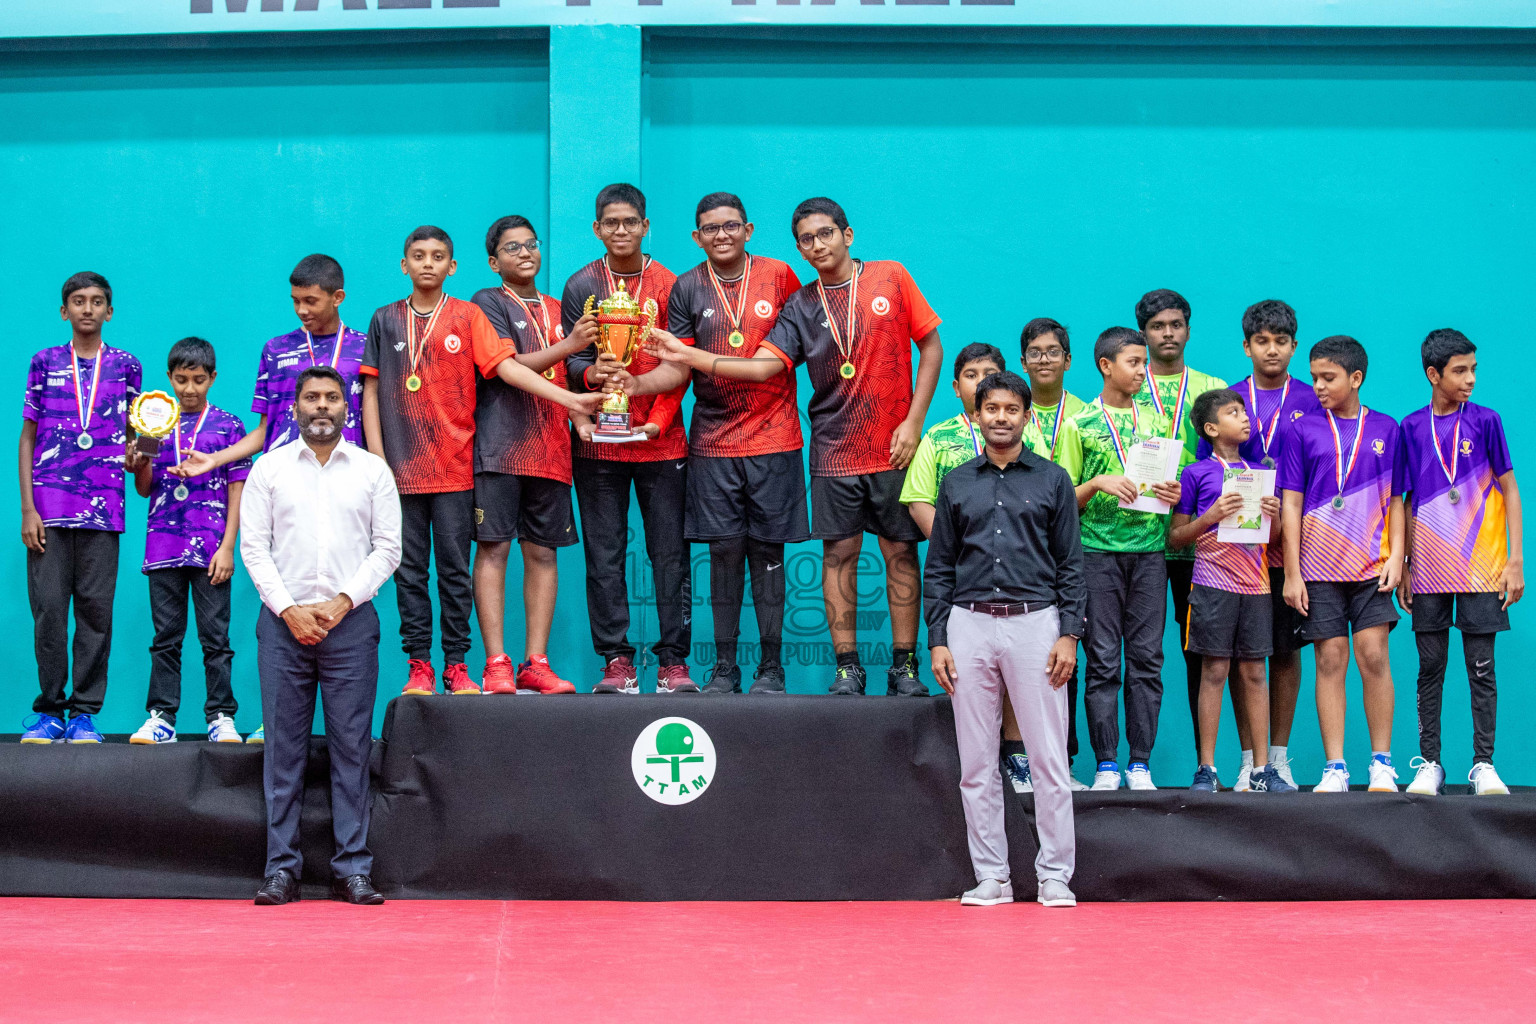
[{"x": 309, "y": 532}]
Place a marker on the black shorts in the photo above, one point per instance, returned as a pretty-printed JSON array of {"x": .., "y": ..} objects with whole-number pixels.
[
  {"x": 1474, "y": 613},
  {"x": 1285, "y": 622},
  {"x": 846, "y": 506},
  {"x": 757, "y": 496},
  {"x": 1227, "y": 625},
  {"x": 1339, "y": 609},
  {"x": 530, "y": 508}
]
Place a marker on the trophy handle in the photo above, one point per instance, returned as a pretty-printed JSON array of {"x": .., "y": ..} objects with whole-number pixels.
[
  {"x": 587, "y": 308},
  {"x": 648, "y": 323}
]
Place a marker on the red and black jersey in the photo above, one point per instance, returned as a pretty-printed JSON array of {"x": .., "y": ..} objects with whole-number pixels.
[
  {"x": 734, "y": 418},
  {"x": 516, "y": 432},
  {"x": 653, "y": 282},
  {"x": 429, "y": 433},
  {"x": 853, "y": 418}
]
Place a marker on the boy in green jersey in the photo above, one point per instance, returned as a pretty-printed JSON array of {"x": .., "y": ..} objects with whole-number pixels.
[{"x": 1047, "y": 351}]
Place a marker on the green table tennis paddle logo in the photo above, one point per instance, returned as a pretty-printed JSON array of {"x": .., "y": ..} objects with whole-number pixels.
[{"x": 673, "y": 761}]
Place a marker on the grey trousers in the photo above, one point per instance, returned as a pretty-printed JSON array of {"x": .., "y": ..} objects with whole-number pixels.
[{"x": 991, "y": 653}]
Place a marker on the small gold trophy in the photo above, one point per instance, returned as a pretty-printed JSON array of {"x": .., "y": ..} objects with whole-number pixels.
[
  {"x": 623, "y": 327},
  {"x": 153, "y": 417}
]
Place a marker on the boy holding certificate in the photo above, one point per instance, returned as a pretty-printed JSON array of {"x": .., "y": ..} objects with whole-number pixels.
[
  {"x": 1125, "y": 468},
  {"x": 1229, "y": 609}
]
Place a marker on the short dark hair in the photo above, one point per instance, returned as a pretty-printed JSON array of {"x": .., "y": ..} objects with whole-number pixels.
[
  {"x": 815, "y": 205},
  {"x": 429, "y": 232},
  {"x": 83, "y": 280},
  {"x": 192, "y": 354},
  {"x": 976, "y": 351},
  {"x": 620, "y": 192},
  {"x": 320, "y": 271},
  {"x": 1039, "y": 327},
  {"x": 1343, "y": 350},
  {"x": 1271, "y": 316},
  {"x": 715, "y": 200},
  {"x": 1155, "y": 302},
  {"x": 1208, "y": 405},
  {"x": 1003, "y": 380},
  {"x": 501, "y": 227},
  {"x": 311, "y": 372},
  {"x": 1112, "y": 341},
  {"x": 1443, "y": 343}
]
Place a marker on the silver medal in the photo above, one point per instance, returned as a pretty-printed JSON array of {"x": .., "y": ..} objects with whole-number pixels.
[
  {"x": 85, "y": 441},
  {"x": 1269, "y": 462},
  {"x": 1455, "y": 495},
  {"x": 181, "y": 492},
  {"x": 1338, "y": 502}
]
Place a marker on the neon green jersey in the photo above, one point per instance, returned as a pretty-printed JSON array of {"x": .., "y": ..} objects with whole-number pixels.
[
  {"x": 1085, "y": 450},
  {"x": 1046, "y": 421},
  {"x": 1168, "y": 395},
  {"x": 946, "y": 446}
]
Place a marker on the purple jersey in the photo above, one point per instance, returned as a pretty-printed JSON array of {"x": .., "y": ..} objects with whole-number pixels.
[
  {"x": 1460, "y": 546},
  {"x": 284, "y": 358},
  {"x": 187, "y": 531},
  {"x": 74, "y": 486},
  {"x": 1238, "y": 568},
  {"x": 1343, "y": 537}
]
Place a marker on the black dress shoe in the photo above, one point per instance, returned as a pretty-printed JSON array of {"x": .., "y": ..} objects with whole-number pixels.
[
  {"x": 356, "y": 889},
  {"x": 278, "y": 889}
]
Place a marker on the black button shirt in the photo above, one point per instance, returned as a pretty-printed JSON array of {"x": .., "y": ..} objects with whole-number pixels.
[{"x": 1004, "y": 535}]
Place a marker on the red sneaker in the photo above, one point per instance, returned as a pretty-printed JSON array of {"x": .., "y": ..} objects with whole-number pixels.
[
  {"x": 675, "y": 679},
  {"x": 498, "y": 675},
  {"x": 618, "y": 677},
  {"x": 422, "y": 682},
  {"x": 536, "y": 675},
  {"x": 457, "y": 682}
]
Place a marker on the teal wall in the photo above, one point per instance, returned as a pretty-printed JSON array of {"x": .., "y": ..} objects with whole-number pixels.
[{"x": 1379, "y": 183}]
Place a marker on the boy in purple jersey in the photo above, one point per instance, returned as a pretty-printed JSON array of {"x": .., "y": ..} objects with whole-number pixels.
[
  {"x": 1229, "y": 620},
  {"x": 1466, "y": 553},
  {"x": 74, "y": 433},
  {"x": 1343, "y": 533},
  {"x": 191, "y": 546}
]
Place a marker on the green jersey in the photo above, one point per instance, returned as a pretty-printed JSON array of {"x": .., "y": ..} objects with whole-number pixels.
[
  {"x": 1085, "y": 450},
  {"x": 946, "y": 446},
  {"x": 1167, "y": 397},
  {"x": 1046, "y": 421}
]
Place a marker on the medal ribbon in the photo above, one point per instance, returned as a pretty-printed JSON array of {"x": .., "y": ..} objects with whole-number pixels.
[
  {"x": 1061, "y": 409},
  {"x": 416, "y": 346},
  {"x": 613, "y": 286},
  {"x": 845, "y": 350},
  {"x": 976, "y": 441},
  {"x": 198, "y": 429},
  {"x": 1114, "y": 434},
  {"x": 1178, "y": 402},
  {"x": 1450, "y": 472},
  {"x": 1267, "y": 434},
  {"x": 85, "y": 409},
  {"x": 309, "y": 342},
  {"x": 738, "y": 315},
  {"x": 1226, "y": 467},
  {"x": 1341, "y": 471},
  {"x": 541, "y": 328}
]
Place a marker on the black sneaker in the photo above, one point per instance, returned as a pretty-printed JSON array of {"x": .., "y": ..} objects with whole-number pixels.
[
  {"x": 724, "y": 679},
  {"x": 1205, "y": 780},
  {"x": 1268, "y": 780},
  {"x": 849, "y": 681},
  {"x": 903, "y": 681},
  {"x": 769, "y": 679}
]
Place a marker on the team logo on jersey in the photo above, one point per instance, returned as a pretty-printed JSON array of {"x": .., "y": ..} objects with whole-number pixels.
[
  {"x": 452, "y": 344},
  {"x": 673, "y": 761},
  {"x": 1296, "y": 414},
  {"x": 283, "y": 364},
  {"x": 764, "y": 308},
  {"x": 1378, "y": 446},
  {"x": 708, "y": 313},
  {"x": 880, "y": 306},
  {"x": 522, "y": 325},
  {"x": 1466, "y": 446}
]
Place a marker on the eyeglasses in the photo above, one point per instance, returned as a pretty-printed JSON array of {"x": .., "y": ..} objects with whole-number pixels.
[
  {"x": 825, "y": 235},
  {"x": 730, "y": 227},
  {"x": 513, "y": 248},
  {"x": 1044, "y": 355},
  {"x": 612, "y": 224}
]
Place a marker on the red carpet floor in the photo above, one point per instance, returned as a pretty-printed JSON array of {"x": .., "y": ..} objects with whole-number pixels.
[{"x": 703, "y": 963}]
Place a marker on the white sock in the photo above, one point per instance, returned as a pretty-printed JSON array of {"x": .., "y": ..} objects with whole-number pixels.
[
  {"x": 1247, "y": 759},
  {"x": 1276, "y": 755}
]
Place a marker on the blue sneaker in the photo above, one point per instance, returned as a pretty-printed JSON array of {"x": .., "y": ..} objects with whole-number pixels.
[
  {"x": 1205, "y": 780},
  {"x": 1016, "y": 771},
  {"x": 1269, "y": 780},
  {"x": 81, "y": 730},
  {"x": 259, "y": 736},
  {"x": 41, "y": 728}
]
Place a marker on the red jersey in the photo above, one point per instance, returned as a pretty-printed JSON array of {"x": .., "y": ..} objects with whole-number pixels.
[
  {"x": 516, "y": 432},
  {"x": 653, "y": 282},
  {"x": 853, "y": 418},
  {"x": 737, "y": 417},
  {"x": 429, "y": 433}
]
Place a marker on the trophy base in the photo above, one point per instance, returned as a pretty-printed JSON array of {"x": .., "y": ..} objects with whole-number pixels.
[
  {"x": 146, "y": 445},
  {"x": 613, "y": 424}
]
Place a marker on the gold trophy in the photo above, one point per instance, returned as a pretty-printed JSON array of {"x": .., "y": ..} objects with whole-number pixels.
[
  {"x": 153, "y": 417},
  {"x": 623, "y": 326}
]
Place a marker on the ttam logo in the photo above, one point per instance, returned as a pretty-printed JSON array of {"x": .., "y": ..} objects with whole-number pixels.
[{"x": 673, "y": 761}]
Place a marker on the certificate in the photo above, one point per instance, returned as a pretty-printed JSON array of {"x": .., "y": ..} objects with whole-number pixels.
[
  {"x": 1248, "y": 525},
  {"x": 1153, "y": 461}
]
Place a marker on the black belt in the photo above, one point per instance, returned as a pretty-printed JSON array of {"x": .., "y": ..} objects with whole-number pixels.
[{"x": 1003, "y": 610}]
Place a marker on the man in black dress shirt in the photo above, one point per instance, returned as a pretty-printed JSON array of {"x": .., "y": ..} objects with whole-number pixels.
[{"x": 1004, "y": 597}]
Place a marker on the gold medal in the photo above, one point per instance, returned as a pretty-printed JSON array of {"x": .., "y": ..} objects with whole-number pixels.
[
  {"x": 549, "y": 374},
  {"x": 413, "y": 383},
  {"x": 846, "y": 370},
  {"x": 736, "y": 339}
]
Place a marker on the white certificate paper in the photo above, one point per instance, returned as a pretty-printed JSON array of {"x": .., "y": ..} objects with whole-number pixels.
[
  {"x": 1248, "y": 525},
  {"x": 619, "y": 438},
  {"x": 1153, "y": 461}
]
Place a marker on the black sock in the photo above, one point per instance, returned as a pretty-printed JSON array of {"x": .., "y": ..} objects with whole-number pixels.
[
  {"x": 901, "y": 657},
  {"x": 727, "y": 579},
  {"x": 768, "y": 597},
  {"x": 1011, "y": 747},
  {"x": 848, "y": 659}
]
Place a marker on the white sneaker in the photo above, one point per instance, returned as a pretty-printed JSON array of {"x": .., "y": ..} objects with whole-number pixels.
[
  {"x": 1077, "y": 785},
  {"x": 1283, "y": 766},
  {"x": 1485, "y": 781},
  {"x": 1139, "y": 777},
  {"x": 1383, "y": 778},
  {"x": 1106, "y": 778},
  {"x": 1052, "y": 893},
  {"x": 1244, "y": 783},
  {"x": 222, "y": 730},
  {"x": 154, "y": 730},
  {"x": 1429, "y": 778},
  {"x": 1334, "y": 780},
  {"x": 989, "y": 892}
]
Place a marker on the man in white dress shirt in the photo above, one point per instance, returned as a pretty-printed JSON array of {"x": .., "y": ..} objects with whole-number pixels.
[{"x": 320, "y": 533}]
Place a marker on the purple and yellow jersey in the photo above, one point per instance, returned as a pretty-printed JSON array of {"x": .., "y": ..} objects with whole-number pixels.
[
  {"x": 1237, "y": 568},
  {"x": 1348, "y": 543},
  {"x": 187, "y": 531},
  {"x": 1461, "y": 546}
]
